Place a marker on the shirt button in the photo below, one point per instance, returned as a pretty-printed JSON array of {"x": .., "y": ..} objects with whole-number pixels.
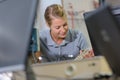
[{"x": 70, "y": 55}]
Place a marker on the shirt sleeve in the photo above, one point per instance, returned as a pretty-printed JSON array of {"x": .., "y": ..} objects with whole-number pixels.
[{"x": 81, "y": 41}]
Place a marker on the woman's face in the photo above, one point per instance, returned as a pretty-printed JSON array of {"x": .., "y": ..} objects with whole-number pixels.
[{"x": 59, "y": 28}]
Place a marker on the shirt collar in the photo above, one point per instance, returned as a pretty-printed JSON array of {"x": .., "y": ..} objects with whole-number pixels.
[{"x": 52, "y": 43}]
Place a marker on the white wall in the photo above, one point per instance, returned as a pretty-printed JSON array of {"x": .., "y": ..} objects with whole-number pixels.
[{"x": 76, "y": 20}]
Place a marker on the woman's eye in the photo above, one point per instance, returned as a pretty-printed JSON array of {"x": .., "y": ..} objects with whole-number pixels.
[
  {"x": 65, "y": 24},
  {"x": 57, "y": 27}
]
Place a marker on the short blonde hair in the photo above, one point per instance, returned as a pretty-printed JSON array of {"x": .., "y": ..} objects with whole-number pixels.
[{"x": 55, "y": 10}]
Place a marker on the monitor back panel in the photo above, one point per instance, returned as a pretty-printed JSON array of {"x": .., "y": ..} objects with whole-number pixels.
[
  {"x": 16, "y": 22},
  {"x": 105, "y": 32}
]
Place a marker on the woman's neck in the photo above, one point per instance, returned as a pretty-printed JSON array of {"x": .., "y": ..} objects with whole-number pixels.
[{"x": 57, "y": 40}]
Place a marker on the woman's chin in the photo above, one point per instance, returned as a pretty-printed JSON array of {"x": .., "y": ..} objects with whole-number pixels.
[{"x": 62, "y": 36}]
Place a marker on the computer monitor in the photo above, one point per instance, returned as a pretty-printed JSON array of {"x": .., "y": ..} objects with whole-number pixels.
[
  {"x": 96, "y": 52},
  {"x": 17, "y": 18},
  {"x": 104, "y": 30}
]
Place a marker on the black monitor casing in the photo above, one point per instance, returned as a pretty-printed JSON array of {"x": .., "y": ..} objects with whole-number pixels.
[{"x": 104, "y": 31}]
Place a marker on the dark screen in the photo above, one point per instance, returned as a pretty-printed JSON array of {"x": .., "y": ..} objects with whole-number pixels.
[{"x": 104, "y": 30}]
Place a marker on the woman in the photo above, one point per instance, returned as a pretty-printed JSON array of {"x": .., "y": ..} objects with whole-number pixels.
[{"x": 59, "y": 42}]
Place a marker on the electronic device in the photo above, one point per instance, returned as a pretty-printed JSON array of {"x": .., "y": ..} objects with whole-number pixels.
[
  {"x": 17, "y": 18},
  {"x": 96, "y": 52},
  {"x": 34, "y": 44},
  {"x": 85, "y": 69},
  {"x": 115, "y": 8},
  {"x": 104, "y": 30}
]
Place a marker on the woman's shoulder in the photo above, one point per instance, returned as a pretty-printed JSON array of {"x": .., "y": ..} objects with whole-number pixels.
[
  {"x": 44, "y": 33},
  {"x": 75, "y": 32}
]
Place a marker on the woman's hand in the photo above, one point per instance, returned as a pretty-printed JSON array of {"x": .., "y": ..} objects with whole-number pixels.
[{"x": 87, "y": 53}]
